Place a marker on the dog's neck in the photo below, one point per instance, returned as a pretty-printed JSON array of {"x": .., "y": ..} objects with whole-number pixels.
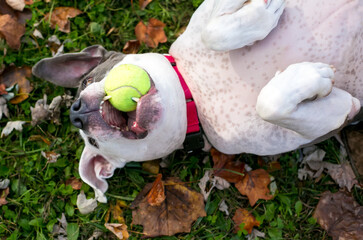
[{"x": 194, "y": 137}]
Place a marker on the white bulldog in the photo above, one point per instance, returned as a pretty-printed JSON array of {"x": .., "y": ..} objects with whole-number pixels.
[{"x": 261, "y": 75}]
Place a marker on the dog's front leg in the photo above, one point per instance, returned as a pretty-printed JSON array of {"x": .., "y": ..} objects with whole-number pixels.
[
  {"x": 237, "y": 23},
  {"x": 302, "y": 98}
]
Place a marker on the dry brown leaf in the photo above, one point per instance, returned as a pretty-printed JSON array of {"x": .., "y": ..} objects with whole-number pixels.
[
  {"x": 144, "y": 3},
  {"x": 273, "y": 166},
  {"x": 18, "y": 75},
  {"x": 176, "y": 214},
  {"x": 116, "y": 211},
  {"x": 21, "y": 17},
  {"x": 120, "y": 230},
  {"x": 60, "y": 17},
  {"x": 51, "y": 156},
  {"x": 16, "y": 4},
  {"x": 152, "y": 34},
  {"x": 11, "y": 30},
  {"x": 353, "y": 136},
  {"x": 244, "y": 216},
  {"x": 3, "y": 194},
  {"x": 28, "y": 2},
  {"x": 132, "y": 46},
  {"x": 152, "y": 167},
  {"x": 156, "y": 195},
  {"x": 255, "y": 186},
  {"x": 75, "y": 183},
  {"x": 3, "y": 89},
  {"x": 39, "y": 138},
  {"x": 223, "y": 163},
  {"x": 340, "y": 216}
]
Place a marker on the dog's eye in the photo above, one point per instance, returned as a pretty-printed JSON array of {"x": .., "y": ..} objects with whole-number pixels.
[
  {"x": 93, "y": 142},
  {"x": 87, "y": 81}
]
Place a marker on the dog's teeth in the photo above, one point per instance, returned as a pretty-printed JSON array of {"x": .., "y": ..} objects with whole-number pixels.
[
  {"x": 106, "y": 98},
  {"x": 135, "y": 99}
]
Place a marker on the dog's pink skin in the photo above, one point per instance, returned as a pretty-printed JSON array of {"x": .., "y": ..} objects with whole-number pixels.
[{"x": 225, "y": 85}]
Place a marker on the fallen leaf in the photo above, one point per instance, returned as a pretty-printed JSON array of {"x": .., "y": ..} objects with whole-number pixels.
[
  {"x": 144, "y": 3},
  {"x": 39, "y": 138},
  {"x": 40, "y": 112},
  {"x": 4, "y": 184},
  {"x": 152, "y": 34},
  {"x": 3, "y": 89},
  {"x": 96, "y": 234},
  {"x": 152, "y": 167},
  {"x": 116, "y": 211},
  {"x": 156, "y": 195},
  {"x": 223, "y": 207},
  {"x": 176, "y": 214},
  {"x": 120, "y": 230},
  {"x": 273, "y": 166},
  {"x": 59, "y": 230},
  {"x": 340, "y": 216},
  {"x": 16, "y": 4},
  {"x": 11, "y": 30},
  {"x": 75, "y": 183},
  {"x": 3, "y": 108},
  {"x": 60, "y": 17},
  {"x": 353, "y": 136},
  {"x": 225, "y": 166},
  {"x": 3, "y": 194},
  {"x": 314, "y": 166},
  {"x": 38, "y": 34},
  {"x": 85, "y": 205},
  {"x": 131, "y": 47},
  {"x": 216, "y": 182},
  {"x": 255, "y": 186},
  {"x": 18, "y": 75},
  {"x": 342, "y": 174},
  {"x": 244, "y": 216},
  {"x": 10, "y": 126},
  {"x": 28, "y": 2},
  {"x": 51, "y": 156},
  {"x": 20, "y": 16},
  {"x": 255, "y": 235}
]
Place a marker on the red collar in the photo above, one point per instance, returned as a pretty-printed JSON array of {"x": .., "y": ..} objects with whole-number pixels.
[
  {"x": 192, "y": 115},
  {"x": 194, "y": 137}
]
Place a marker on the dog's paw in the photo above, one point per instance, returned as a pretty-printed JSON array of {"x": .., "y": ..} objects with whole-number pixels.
[
  {"x": 234, "y": 24},
  {"x": 299, "y": 83}
]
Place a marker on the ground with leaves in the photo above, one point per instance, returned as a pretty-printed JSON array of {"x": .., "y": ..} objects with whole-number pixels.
[{"x": 42, "y": 197}]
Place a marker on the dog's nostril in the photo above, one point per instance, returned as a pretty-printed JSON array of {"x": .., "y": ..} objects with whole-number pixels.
[
  {"x": 76, "y": 106},
  {"x": 77, "y": 122}
]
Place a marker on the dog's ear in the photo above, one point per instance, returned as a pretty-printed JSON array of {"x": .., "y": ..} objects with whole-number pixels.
[
  {"x": 66, "y": 70},
  {"x": 94, "y": 169}
]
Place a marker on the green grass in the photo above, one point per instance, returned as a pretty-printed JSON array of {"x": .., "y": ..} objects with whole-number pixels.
[{"x": 38, "y": 194}]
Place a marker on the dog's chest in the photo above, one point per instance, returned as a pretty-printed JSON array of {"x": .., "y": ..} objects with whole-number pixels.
[{"x": 225, "y": 85}]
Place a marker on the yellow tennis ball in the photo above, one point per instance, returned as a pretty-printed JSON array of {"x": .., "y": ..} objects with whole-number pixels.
[{"x": 125, "y": 82}]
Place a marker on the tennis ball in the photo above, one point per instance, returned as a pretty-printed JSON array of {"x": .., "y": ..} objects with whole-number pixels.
[{"x": 125, "y": 82}]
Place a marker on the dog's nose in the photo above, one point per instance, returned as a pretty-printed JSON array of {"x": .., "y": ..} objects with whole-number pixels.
[{"x": 78, "y": 114}]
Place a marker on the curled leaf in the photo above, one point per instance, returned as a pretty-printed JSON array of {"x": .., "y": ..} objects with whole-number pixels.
[
  {"x": 10, "y": 126},
  {"x": 225, "y": 166},
  {"x": 85, "y": 205},
  {"x": 156, "y": 195},
  {"x": 120, "y": 230},
  {"x": 16, "y": 4},
  {"x": 75, "y": 183},
  {"x": 3, "y": 194}
]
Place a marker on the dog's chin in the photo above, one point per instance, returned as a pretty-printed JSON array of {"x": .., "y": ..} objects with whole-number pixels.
[{"x": 135, "y": 124}]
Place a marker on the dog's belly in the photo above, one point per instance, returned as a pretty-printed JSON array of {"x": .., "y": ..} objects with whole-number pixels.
[{"x": 225, "y": 85}]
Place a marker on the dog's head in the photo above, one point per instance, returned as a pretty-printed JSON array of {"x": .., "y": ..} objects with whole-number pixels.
[{"x": 112, "y": 138}]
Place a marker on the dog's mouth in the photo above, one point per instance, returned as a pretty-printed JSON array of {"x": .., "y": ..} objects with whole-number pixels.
[{"x": 135, "y": 124}]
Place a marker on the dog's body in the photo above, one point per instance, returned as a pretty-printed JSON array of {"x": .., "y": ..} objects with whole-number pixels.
[{"x": 242, "y": 105}]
